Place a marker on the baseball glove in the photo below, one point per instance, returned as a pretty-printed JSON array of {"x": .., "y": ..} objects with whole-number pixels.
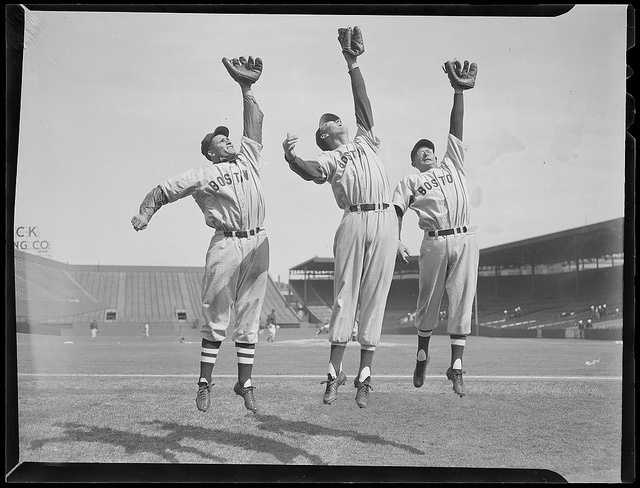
[
  {"x": 351, "y": 41},
  {"x": 461, "y": 77},
  {"x": 244, "y": 71}
]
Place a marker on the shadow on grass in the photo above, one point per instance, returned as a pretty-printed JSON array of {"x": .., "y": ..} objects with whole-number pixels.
[
  {"x": 132, "y": 442},
  {"x": 281, "y": 451},
  {"x": 272, "y": 423}
]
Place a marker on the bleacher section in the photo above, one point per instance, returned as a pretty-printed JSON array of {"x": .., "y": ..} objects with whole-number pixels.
[
  {"x": 47, "y": 290},
  {"x": 542, "y": 298}
]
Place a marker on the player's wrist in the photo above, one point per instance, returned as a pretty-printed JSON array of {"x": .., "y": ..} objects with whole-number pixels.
[{"x": 351, "y": 65}]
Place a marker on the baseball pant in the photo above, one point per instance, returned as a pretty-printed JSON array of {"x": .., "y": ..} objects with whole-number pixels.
[
  {"x": 447, "y": 263},
  {"x": 364, "y": 247},
  {"x": 233, "y": 287}
]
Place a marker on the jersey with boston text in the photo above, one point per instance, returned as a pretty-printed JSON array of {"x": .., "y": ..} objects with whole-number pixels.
[
  {"x": 438, "y": 196},
  {"x": 228, "y": 193},
  {"x": 355, "y": 171}
]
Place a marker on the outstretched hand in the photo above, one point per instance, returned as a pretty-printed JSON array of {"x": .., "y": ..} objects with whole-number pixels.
[
  {"x": 139, "y": 222},
  {"x": 403, "y": 252},
  {"x": 351, "y": 42},
  {"x": 461, "y": 77},
  {"x": 245, "y": 71},
  {"x": 288, "y": 145}
]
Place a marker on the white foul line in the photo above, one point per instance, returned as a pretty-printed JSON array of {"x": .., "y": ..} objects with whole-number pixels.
[{"x": 315, "y": 376}]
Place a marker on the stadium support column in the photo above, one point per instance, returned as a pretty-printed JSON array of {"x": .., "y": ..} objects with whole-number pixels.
[{"x": 575, "y": 253}]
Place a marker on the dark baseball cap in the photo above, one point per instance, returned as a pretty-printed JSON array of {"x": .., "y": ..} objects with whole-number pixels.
[
  {"x": 324, "y": 119},
  {"x": 422, "y": 143},
  {"x": 206, "y": 142}
]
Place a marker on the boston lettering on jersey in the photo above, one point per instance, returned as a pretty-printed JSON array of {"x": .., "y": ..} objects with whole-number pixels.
[
  {"x": 434, "y": 183},
  {"x": 227, "y": 179},
  {"x": 347, "y": 157}
]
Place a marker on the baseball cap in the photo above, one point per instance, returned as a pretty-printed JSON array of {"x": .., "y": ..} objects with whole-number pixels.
[
  {"x": 206, "y": 142},
  {"x": 328, "y": 117},
  {"x": 422, "y": 143}
]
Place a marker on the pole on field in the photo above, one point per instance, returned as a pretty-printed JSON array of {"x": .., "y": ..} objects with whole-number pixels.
[{"x": 475, "y": 304}]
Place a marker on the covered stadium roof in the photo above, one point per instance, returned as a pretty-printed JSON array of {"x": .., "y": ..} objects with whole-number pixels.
[{"x": 586, "y": 242}]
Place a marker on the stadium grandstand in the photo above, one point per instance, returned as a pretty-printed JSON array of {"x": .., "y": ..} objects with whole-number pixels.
[
  {"x": 54, "y": 297},
  {"x": 537, "y": 287}
]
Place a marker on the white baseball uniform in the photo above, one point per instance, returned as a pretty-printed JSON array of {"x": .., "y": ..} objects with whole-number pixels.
[
  {"x": 365, "y": 243},
  {"x": 439, "y": 197},
  {"x": 235, "y": 279}
]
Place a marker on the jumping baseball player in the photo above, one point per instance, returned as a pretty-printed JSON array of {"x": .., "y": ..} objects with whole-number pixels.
[
  {"x": 365, "y": 243},
  {"x": 449, "y": 252},
  {"x": 228, "y": 190}
]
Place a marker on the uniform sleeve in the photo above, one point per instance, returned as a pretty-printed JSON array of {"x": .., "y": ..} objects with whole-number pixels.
[
  {"x": 366, "y": 136},
  {"x": 455, "y": 152},
  {"x": 327, "y": 166},
  {"x": 183, "y": 185},
  {"x": 403, "y": 194},
  {"x": 251, "y": 151}
]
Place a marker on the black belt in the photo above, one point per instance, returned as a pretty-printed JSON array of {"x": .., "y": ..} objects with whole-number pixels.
[
  {"x": 367, "y": 207},
  {"x": 447, "y": 232},
  {"x": 242, "y": 233}
]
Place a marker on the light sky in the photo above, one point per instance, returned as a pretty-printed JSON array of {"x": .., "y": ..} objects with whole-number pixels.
[{"x": 114, "y": 103}]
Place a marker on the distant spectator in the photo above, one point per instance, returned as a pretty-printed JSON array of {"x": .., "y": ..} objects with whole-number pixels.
[
  {"x": 322, "y": 329},
  {"x": 271, "y": 331},
  {"x": 93, "y": 327},
  {"x": 617, "y": 312},
  {"x": 589, "y": 324},
  {"x": 518, "y": 311},
  {"x": 271, "y": 318},
  {"x": 571, "y": 314},
  {"x": 604, "y": 309},
  {"x": 580, "y": 329},
  {"x": 592, "y": 308},
  {"x": 506, "y": 314},
  {"x": 146, "y": 329}
]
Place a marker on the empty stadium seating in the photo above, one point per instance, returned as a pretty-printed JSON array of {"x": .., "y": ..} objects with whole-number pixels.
[{"x": 50, "y": 291}]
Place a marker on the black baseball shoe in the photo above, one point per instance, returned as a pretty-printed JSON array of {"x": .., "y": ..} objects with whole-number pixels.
[
  {"x": 419, "y": 372},
  {"x": 203, "y": 397},
  {"x": 455, "y": 376},
  {"x": 246, "y": 392},
  {"x": 331, "y": 391},
  {"x": 362, "y": 393}
]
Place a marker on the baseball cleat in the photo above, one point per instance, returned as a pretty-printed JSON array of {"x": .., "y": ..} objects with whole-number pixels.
[
  {"x": 246, "y": 392},
  {"x": 455, "y": 376},
  {"x": 362, "y": 393},
  {"x": 419, "y": 372},
  {"x": 331, "y": 392},
  {"x": 203, "y": 397}
]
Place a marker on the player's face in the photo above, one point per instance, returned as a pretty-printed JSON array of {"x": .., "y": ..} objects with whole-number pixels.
[
  {"x": 424, "y": 159},
  {"x": 221, "y": 147},
  {"x": 336, "y": 133}
]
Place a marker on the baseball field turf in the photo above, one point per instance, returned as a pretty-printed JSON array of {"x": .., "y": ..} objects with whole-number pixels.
[{"x": 531, "y": 403}]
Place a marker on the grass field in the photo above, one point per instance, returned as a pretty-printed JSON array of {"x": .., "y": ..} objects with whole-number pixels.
[{"x": 531, "y": 403}]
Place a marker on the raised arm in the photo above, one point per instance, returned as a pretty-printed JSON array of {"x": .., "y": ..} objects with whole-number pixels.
[
  {"x": 246, "y": 72},
  {"x": 150, "y": 205},
  {"x": 352, "y": 45},
  {"x": 308, "y": 170},
  {"x": 457, "y": 113},
  {"x": 461, "y": 77},
  {"x": 251, "y": 115}
]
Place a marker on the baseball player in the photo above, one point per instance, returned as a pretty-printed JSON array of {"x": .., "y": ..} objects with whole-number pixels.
[
  {"x": 365, "y": 243},
  {"x": 228, "y": 190},
  {"x": 449, "y": 252}
]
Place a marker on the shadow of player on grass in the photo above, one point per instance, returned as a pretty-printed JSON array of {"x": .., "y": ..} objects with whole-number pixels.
[
  {"x": 133, "y": 442},
  {"x": 272, "y": 423},
  {"x": 281, "y": 451}
]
